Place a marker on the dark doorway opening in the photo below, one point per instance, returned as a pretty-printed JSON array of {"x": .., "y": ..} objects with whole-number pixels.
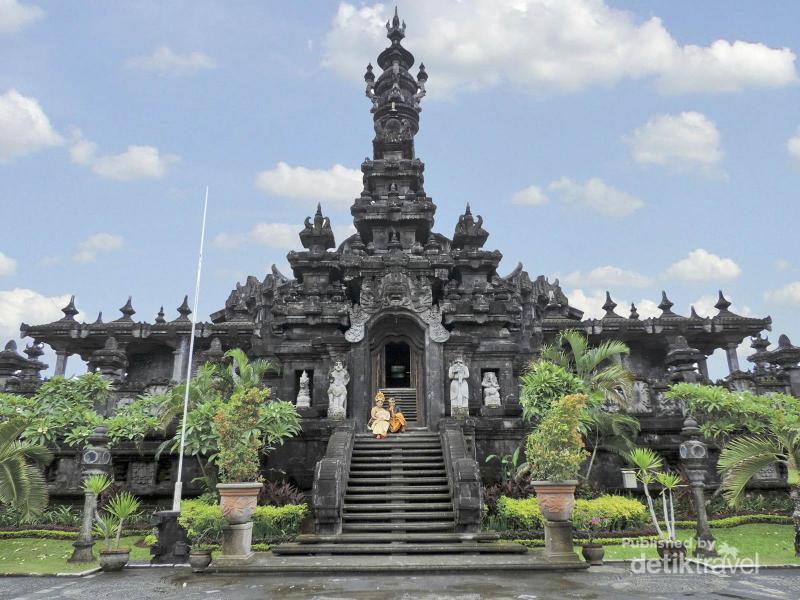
[{"x": 398, "y": 365}]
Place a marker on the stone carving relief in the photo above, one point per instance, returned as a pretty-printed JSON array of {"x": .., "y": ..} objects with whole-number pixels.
[
  {"x": 142, "y": 475},
  {"x": 641, "y": 403},
  {"x": 337, "y": 391},
  {"x": 459, "y": 388},
  {"x": 396, "y": 290},
  {"x": 768, "y": 473},
  {"x": 491, "y": 389}
]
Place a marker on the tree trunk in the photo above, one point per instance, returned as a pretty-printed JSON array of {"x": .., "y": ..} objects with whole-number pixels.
[{"x": 794, "y": 494}]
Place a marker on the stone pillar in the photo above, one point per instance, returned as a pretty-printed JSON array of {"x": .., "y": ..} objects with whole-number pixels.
[
  {"x": 733, "y": 358},
  {"x": 95, "y": 460},
  {"x": 436, "y": 381},
  {"x": 178, "y": 362},
  {"x": 558, "y": 545},
  {"x": 702, "y": 364},
  {"x": 61, "y": 362},
  {"x": 694, "y": 456}
]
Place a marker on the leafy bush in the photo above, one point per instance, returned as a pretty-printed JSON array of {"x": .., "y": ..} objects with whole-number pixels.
[
  {"x": 542, "y": 384},
  {"x": 202, "y": 522},
  {"x": 524, "y": 514},
  {"x": 280, "y": 493},
  {"x": 555, "y": 449},
  {"x": 278, "y": 521},
  {"x": 622, "y": 512}
]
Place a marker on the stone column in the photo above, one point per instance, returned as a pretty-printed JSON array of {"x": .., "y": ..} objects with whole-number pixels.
[
  {"x": 178, "y": 363},
  {"x": 702, "y": 364},
  {"x": 694, "y": 455},
  {"x": 61, "y": 362},
  {"x": 95, "y": 460},
  {"x": 733, "y": 358}
]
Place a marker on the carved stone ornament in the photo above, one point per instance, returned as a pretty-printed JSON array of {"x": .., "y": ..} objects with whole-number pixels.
[
  {"x": 491, "y": 389},
  {"x": 303, "y": 395},
  {"x": 337, "y": 391},
  {"x": 459, "y": 388},
  {"x": 396, "y": 290}
]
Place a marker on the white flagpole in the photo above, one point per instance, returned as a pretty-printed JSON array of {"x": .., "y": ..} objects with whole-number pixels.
[{"x": 176, "y": 499}]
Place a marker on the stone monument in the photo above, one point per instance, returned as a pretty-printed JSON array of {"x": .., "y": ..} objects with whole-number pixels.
[
  {"x": 337, "y": 392},
  {"x": 459, "y": 389}
]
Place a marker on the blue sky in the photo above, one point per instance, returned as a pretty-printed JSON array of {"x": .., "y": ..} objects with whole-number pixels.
[{"x": 628, "y": 146}]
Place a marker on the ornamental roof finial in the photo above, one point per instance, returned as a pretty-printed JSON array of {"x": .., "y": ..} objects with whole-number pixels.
[
  {"x": 394, "y": 30},
  {"x": 666, "y": 305},
  {"x": 69, "y": 310},
  {"x": 723, "y": 304},
  {"x": 609, "y": 307},
  {"x": 183, "y": 310},
  {"x": 634, "y": 316},
  {"x": 160, "y": 316},
  {"x": 127, "y": 310}
]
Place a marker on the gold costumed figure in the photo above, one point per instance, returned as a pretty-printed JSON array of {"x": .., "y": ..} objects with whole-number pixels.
[
  {"x": 379, "y": 418},
  {"x": 397, "y": 421}
]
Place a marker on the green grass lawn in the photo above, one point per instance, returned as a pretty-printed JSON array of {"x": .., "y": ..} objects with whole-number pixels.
[
  {"x": 774, "y": 544},
  {"x": 31, "y": 555}
]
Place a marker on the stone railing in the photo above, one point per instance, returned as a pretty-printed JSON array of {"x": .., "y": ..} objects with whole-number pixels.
[
  {"x": 463, "y": 476},
  {"x": 330, "y": 480}
]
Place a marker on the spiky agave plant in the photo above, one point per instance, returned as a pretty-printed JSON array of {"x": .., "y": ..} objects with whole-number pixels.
[{"x": 647, "y": 463}]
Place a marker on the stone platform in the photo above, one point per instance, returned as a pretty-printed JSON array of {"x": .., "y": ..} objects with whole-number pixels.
[{"x": 266, "y": 562}]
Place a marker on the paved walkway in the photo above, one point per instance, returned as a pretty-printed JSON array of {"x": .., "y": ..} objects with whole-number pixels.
[{"x": 606, "y": 582}]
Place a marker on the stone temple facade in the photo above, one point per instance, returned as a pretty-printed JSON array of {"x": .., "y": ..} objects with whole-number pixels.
[{"x": 403, "y": 308}]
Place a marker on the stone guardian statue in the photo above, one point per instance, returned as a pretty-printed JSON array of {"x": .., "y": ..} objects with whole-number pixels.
[
  {"x": 491, "y": 390},
  {"x": 337, "y": 391},
  {"x": 459, "y": 388},
  {"x": 303, "y": 395}
]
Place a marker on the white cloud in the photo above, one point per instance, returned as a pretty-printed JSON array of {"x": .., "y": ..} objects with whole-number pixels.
[
  {"x": 532, "y": 195},
  {"x": 166, "y": 62},
  {"x": 782, "y": 264},
  {"x": 793, "y": 145},
  {"x": 592, "y": 305},
  {"x": 95, "y": 244},
  {"x": 701, "y": 265},
  {"x": 788, "y": 294},
  {"x": 8, "y": 265},
  {"x": 23, "y": 305},
  {"x": 542, "y": 45},
  {"x": 609, "y": 277},
  {"x": 596, "y": 195},
  {"x": 137, "y": 162},
  {"x": 687, "y": 139},
  {"x": 337, "y": 185},
  {"x": 283, "y": 236},
  {"x": 24, "y": 128},
  {"x": 704, "y": 306},
  {"x": 14, "y": 16}
]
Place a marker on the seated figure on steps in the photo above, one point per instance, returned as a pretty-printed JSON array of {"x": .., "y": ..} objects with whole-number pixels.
[
  {"x": 379, "y": 418},
  {"x": 397, "y": 421}
]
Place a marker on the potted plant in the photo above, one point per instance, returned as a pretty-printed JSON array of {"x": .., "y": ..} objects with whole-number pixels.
[
  {"x": 239, "y": 440},
  {"x": 555, "y": 453},
  {"x": 592, "y": 552},
  {"x": 109, "y": 525},
  {"x": 648, "y": 463},
  {"x": 203, "y": 525}
]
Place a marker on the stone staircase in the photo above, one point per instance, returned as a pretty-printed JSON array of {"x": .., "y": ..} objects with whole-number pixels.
[
  {"x": 398, "y": 501},
  {"x": 406, "y": 401}
]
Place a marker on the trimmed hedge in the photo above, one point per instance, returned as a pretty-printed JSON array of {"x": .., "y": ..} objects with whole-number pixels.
[
  {"x": 729, "y": 522},
  {"x": 604, "y": 541},
  {"x": 271, "y": 522},
  {"x": 621, "y": 511},
  {"x": 57, "y": 534}
]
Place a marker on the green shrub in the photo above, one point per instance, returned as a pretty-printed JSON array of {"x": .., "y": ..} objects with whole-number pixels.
[
  {"x": 44, "y": 534},
  {"x": 521, "y": 514},
  {"x": 621, "y": 511},
  {"x": 555, "y": 448},
  {"x": 542, "y": 384},
  {"x": 271, "y": 522},
  {"x": 202, "y": 522},
  {"x": 524, "y": 514}
]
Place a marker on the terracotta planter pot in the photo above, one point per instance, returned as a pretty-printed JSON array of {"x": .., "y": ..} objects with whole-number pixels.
[
  {"x": 199, "y": 560},
  {"x": 593, "y": 554},
  {"x": 114, "y": 560},
  {"x": 556, "y": 499},
  {"x": 238, "y": 501},
  {"x": 671, "y": 551}
]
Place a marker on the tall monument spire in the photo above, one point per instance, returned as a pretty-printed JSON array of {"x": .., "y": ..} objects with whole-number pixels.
[{"x": 393, "y": 200}]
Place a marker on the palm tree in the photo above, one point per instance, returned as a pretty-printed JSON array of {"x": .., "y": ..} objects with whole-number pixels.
[
  {"x": 743, "y": 457},
  {"x": 607, "y": 383},
  {"x": 244, "y": 372},
  {"x": 22, "y": 484},
  {"x": 594, "y": 366}
]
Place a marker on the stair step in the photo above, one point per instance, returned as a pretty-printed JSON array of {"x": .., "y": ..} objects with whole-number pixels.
[
  {"x": 388, "y": 481},
  {"x": 424, "y": 526},
  {"x": 381, "y": 451},
  {"x": 377, "y": 497},
  {"x": 402, "y": 548},
  {"x": 414, "y": 506},
  {"x": 380, "y": 460},
  {"x": 393, "y": 489},
  {"x": 420, "y": 537},
  {"x": 389, "y": 517},
  {"x": 377, "y": 474}
]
